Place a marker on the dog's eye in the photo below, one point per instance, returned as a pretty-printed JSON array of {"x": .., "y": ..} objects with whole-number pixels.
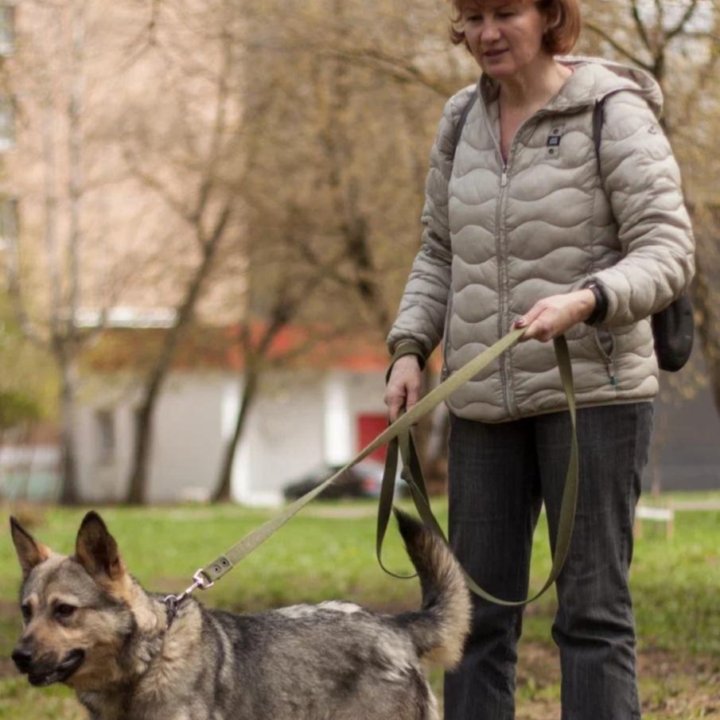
[
  {"x": 26, "y": 611},
  {"x": 62, "y": 611}
]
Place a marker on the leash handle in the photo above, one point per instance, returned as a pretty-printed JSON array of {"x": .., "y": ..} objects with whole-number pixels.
[{"x": 413, "y": 475}]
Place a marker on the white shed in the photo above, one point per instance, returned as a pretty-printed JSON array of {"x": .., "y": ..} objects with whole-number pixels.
[{"x": 323, "y": 410}]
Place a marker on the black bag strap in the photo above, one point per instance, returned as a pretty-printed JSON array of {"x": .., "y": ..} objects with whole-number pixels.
[
  {"x": 462, "y": 120},
  {"x": 597, "y": 122}
]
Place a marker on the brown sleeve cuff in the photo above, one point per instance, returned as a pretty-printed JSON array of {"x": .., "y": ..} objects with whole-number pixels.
[{"x": 406, "y": 347}]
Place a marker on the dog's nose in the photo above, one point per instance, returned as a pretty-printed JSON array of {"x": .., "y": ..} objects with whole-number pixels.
[{"x": 22, "y": 659}]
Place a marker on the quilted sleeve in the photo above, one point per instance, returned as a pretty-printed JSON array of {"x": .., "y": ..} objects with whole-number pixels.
[
  {"x": 423, "y": 306},
  {"x": 642, "y": 180}
]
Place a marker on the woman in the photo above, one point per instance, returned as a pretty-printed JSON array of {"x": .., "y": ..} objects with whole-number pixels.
[{"x": 530, "y": 225}]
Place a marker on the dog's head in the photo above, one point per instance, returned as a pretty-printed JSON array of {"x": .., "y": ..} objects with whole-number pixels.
[{"x": 77, "y": 611}]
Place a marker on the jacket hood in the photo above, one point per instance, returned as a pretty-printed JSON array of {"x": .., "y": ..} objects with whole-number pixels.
[{"x": 595, "y": 78}]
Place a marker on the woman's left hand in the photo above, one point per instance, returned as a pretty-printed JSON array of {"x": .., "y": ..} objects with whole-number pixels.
[{"x": 552, "y": 316}]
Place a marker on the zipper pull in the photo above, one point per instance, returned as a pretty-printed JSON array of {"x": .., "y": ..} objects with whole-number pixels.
[
  {"x": 611, "y": 374},
  {"x": 503, "y": 178}
]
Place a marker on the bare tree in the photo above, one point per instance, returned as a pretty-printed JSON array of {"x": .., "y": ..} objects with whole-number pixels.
[
  {"x": 256, "y": 345},
  {"x": 207, "y": 205},
  {"x": 63, "y": 194}
]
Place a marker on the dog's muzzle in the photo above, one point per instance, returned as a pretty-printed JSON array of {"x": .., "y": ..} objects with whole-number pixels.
[{"x": 44, "y": 671}]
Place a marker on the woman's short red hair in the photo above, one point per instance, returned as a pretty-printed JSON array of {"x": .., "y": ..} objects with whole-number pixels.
[{"x": 564, "y": 23}]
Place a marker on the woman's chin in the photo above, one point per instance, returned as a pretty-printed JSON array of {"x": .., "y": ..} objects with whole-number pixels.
[
  {"x": 498, "y": 71},
  {"x": 498, "y": 67}
]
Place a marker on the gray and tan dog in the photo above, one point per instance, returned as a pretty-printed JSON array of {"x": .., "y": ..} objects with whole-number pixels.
[{"x": 90, "y": 625}]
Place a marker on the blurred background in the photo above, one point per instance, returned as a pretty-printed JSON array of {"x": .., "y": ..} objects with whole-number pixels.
[{"x": 208, "y": 210}]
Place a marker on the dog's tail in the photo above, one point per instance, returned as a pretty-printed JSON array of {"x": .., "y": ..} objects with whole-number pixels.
[{"x": 439, "y": 629}]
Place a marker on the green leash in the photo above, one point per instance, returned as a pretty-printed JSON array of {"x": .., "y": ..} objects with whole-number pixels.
[
  {"x": 399, "y": 437},
  {"x": 413, "y": 475}
]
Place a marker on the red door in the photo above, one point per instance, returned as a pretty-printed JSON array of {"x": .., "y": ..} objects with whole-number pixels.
[{"x": 369, "y": 427}]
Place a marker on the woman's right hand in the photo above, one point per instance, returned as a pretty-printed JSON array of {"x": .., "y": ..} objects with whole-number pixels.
[{"x": 403, "y": 386}]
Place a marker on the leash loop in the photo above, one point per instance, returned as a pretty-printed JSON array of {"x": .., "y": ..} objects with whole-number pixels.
[{"x": 414, "y": 478}]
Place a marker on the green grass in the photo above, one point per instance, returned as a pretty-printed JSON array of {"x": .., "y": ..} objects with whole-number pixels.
[
  {"x": 675, "y": 583},
  {"x": 328, "y": 552}
]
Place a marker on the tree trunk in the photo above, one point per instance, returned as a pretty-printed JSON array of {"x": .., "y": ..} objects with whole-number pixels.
[
  {"x": 138, "y": 484},
  {"x": 143, "y": 431},
  {"x": 69, "y": 494},
  {"x": 223, "y": 491}
]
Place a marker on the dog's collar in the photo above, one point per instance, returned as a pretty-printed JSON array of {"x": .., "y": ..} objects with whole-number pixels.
[
  {"x": 172, "y": 606},
  {"x": 173, "y": 602}
]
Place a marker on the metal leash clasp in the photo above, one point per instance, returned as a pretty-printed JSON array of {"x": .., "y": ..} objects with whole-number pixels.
[{"x": 200, "y": 582}]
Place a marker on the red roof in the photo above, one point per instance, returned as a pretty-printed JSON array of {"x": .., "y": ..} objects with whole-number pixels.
[{"x": 220, "y": 348}]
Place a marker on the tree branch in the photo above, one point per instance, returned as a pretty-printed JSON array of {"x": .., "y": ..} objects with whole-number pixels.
[
  {"x": 209, "y": 177},
  {"x": 642, "y": 31},
  {"x": 617, "y": 46},
  {"x": 402, "y": 70},
  {"x": 176, "y": 205},
  {"x": 687, "y": 16}
]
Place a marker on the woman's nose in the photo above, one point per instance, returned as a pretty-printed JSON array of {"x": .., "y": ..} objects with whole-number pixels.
[{"x": 489, "y": 31}]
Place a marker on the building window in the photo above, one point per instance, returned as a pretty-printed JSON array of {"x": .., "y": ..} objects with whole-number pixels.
[
  {"x": 105, "y": 433},
  {"x": 8, "y": 222},
  {"x": 7, "y": 123},
  {"x": 7, "y": 29}
]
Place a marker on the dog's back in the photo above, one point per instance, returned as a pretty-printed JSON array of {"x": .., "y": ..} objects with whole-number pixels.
[{"x": 338, "y": 661}]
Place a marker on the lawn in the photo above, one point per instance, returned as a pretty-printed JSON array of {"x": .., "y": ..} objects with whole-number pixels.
[{"x": 327, "y": 552}]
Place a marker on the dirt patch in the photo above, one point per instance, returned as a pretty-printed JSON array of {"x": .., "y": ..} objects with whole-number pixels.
[{"x": 671, "y": 687}]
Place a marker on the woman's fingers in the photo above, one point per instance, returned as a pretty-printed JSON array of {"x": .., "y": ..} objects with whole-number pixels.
[
  {"x": 555, "y": 315},
  {"x": 403, "y": 386}
]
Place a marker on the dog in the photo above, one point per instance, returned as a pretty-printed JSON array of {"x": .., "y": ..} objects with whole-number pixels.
[{"x": 90, "y": 625}]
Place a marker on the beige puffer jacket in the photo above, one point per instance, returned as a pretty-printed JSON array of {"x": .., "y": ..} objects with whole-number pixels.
[{"x": 497, "y": 239}]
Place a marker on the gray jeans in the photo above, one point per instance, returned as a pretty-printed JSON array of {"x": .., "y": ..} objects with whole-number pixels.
[{"x": 500, "y": 474}]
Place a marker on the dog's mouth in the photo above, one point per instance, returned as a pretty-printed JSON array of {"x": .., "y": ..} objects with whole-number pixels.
[{"x": 41, "y": 676}]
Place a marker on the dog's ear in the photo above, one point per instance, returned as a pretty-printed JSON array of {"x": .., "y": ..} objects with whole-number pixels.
[
  {"x": 97, "y": 551},
  {"x": 30, "y": 553}
]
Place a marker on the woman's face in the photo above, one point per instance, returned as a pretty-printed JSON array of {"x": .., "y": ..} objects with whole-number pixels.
[{"x": 504, "y": 36}]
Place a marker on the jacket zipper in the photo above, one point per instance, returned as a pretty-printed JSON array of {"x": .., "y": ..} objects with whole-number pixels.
[
  {"x": 503, "y": 301},
  {"x": 504, "y": 360},
  {"x": 503, "y": 296}
]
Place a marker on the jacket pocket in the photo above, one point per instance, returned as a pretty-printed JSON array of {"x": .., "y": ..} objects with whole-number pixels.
[
  {"x": 446, "y": 338},
  {"x": 605, "y": 344}
]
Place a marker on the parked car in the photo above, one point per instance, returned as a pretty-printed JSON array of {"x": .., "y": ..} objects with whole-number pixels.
[{"x": 362, "y": 480}]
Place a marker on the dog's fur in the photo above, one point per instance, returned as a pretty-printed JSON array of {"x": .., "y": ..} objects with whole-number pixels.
[{"x": 90, "y": 625}]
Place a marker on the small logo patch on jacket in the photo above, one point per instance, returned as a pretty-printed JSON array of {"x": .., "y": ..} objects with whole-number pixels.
[{"x": 552, "y": 143}]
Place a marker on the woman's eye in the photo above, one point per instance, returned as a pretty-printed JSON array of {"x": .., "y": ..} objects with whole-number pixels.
[{"x": 63, "y": 610}]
